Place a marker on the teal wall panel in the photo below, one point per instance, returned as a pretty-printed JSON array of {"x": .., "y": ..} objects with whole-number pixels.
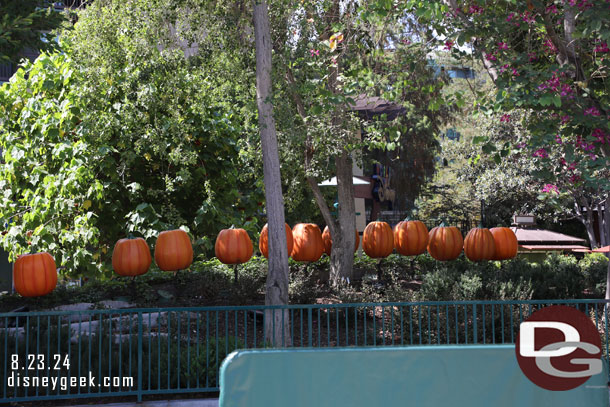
[{"x": 431, "y": 376}]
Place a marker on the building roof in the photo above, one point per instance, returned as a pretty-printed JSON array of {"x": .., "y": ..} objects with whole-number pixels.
[
  {"x": 543, "y": 236},
  {"x": 574, "y": 248},
  {"x": 370, "y": 106}
]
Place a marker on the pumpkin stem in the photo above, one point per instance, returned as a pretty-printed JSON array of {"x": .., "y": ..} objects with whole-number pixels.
[
  {"x": 379, "y": 270},
  {"x": 235, "y": 271}
]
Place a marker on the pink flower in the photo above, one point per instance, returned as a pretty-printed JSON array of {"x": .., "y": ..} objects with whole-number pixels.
[
  {"x": 549, "y": 44},
  {"x": 502, "y": 46},
  {"x": 510, "y": 17},
  {"x": 515, "y": 73},
  {"x": 314, "y": 52},
  {"x": 602, "y": 48},
  {"x": 565, "y": 119},
  {"x": 448, "y": 45},
  {"x": 558, "y": 139},
  {"x": 474, "y": 9},
  {"x": 552, "y": 9},
  {"x": 552, "y": 84},
  {"x": 520, "y": 145},
  {"x": 592, "y": 156},
  {"x": 574, "y": 178},
  {"x": 528, "y": 18},
  {"x": 505, "y": 118},
  {"x": 592, "y": 111},
  {"x": 550, "y": 188},
  {"x": 541, "y": 152},
  {"x": 490, "y": 57},
  {"x": 566, "y": 91},
  {"x": 532, "y": 56},
  {"x": 601, "y": 136}
]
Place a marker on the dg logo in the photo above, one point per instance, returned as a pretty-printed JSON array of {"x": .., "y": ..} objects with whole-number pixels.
[{"x": 559, "y": 348}]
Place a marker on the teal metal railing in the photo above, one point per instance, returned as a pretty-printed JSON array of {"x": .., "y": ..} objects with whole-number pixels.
[{"x": 140, "y": 352}]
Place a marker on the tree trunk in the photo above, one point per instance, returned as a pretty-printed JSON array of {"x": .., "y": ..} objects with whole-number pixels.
[
  {"x": 604, "y": 229},
  {"x": 587, "y": 219},
  {"x": 602, "y": 225},
  {"x": 277, "y": 323},
  {"x": 344, "y": 238}
]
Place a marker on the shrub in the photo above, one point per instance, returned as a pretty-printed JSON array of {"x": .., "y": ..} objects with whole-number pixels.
[{"x": 594, "y": 267}]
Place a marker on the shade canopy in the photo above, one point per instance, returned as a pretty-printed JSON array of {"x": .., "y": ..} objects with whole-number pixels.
[
  {"x": 333, "y": 182},
  {"x": 605, "y": 249}
]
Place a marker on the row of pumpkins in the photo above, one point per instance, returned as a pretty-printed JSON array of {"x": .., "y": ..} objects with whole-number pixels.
[{"x": 36, "y": 274}]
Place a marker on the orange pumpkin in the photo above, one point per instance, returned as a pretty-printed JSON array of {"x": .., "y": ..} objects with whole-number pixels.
[
  {"x": 410, "y": 237},
  {"x": 35, "y": 274},
  {"x": 233, "y": 246},
  {"x": 308, "y": 243},
  {"x": 479, "y": 244},
  {"x": 378, "y": 240},
  {"x": 131, "y": 257},
  {"x": 173, "y": 250},
  {"x": 328, "y": 241},
  {"x": 263, "y": 242},
  {"x": 506, "y": 243},
  {"x": 445, "y": 243}
]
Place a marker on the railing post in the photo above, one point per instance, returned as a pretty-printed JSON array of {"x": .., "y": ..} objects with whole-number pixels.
[
  {"x": 140, "y": 373},
  {"x": 474, "y": 323},
  {"x": 309, "y": 327}
]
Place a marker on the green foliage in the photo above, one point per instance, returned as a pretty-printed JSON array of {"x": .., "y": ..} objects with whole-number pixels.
[
  {"x": 549, "y": 64},
  {"x": 126, "y": 129},
  {"x": 48, "y": 176},
  {"x": 419, "y": 278},
  {"x": 171, "y": 116},
  {"x": 594, "y": 267},
  {"x": 559, "y": 276},
  {"x": 26, "y": 24},
  {"x": 317, "y": 81}
]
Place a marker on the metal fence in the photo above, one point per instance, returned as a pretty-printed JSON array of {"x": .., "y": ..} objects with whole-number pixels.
[{"x": 140, "y": 352}]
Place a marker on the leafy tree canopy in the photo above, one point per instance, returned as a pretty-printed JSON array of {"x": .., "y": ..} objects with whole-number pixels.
[
  {"x": 134, "y": 130},
  {"x": 26, "y": 24}
]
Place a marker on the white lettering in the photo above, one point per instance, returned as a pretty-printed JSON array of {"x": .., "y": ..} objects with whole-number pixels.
[{"x": 527, "y": 339}]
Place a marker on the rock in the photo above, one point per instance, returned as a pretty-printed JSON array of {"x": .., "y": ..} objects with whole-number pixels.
[
  {"x": 113, "y": 304},
  {"x": 81, "y": 306}
]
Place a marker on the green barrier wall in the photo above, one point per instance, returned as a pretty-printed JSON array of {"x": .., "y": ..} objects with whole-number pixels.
[{"x": 453, "y": 376}]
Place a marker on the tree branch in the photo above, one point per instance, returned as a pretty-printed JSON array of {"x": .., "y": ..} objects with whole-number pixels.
[
  {"x": 489, "y": 66},
  {"x": 567, "y": 52},
  {"x": 309, "y": 151}
]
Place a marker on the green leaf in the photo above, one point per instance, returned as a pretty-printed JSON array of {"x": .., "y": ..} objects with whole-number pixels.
[
  {"x": 488, "y": 148},
  {"x": 557, "y": 101}
]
